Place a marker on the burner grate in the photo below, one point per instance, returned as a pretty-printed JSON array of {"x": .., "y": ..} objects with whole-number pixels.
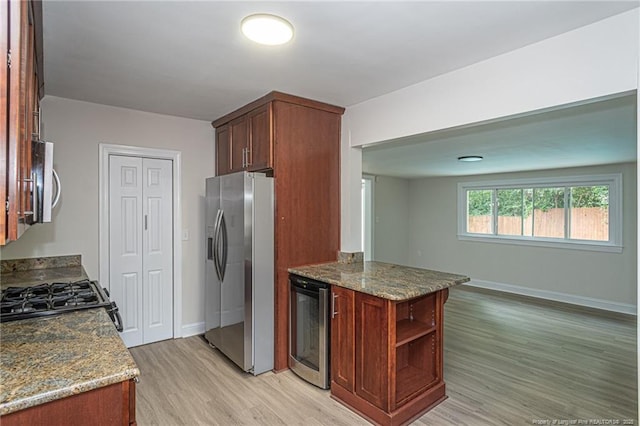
[{"x": 48, "y": 299}]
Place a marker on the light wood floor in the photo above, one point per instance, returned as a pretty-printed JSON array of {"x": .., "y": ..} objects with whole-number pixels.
[{"x": 508, "y": 361}]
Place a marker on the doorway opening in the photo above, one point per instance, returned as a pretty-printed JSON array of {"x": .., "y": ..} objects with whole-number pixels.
[
  {"x": 367, "y": 216},
  {"x": 173, "y": 291}
]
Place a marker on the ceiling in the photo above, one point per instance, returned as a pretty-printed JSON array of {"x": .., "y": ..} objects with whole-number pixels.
[
  {"x": 597, "y": 133},
  {"x": 189, "y": 59}
]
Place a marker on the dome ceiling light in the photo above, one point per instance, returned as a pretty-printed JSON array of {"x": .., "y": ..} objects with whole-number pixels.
[
  {"x": 470, "y": 158},
  {"x": 267, "y": 29}
]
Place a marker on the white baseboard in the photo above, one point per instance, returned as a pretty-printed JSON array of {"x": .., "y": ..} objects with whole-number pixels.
[
  {"x": 193, "y": 329},
  {"x": 606, "y": 305}
]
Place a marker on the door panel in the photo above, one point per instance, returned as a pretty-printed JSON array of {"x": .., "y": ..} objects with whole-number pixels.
[
  {"x": 342, "y": 338},
  {"x": 155, "y": 298},
  {"x": 261, "y": 152},
  {"x": 223, "y": 150},
  {"x": 212, "y": 283},
  {"x": 129, "y": 311},
  {"x": 232, "y": 291},
  {"x": 239, "y": 142},
  {"x": 157, "y": 250},
  {"x": 125, "y": 248}
]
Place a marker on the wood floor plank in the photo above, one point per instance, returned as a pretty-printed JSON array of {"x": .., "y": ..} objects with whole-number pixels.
[{"x": 509, "y": 360}]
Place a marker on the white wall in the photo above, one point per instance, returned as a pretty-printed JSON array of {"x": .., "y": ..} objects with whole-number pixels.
[
  {"x": 350, "y": 193},
  {"x": 587, "y": 63},
  {"x": 433, "y": 244},
  {"x": 77, "y": 128},
  {"x": 391, "y": 219}
]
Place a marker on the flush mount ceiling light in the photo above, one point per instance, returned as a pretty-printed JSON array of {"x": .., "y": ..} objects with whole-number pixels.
[
  {"x": 267, "y": 29},
  {"x": 470, "y": 158}
]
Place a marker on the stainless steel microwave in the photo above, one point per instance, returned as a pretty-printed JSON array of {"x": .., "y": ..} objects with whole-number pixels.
[{"x": 44, "y": 179}]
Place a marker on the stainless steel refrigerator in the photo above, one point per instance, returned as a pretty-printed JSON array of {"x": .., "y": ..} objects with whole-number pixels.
[{"x": 239, "y": 305}]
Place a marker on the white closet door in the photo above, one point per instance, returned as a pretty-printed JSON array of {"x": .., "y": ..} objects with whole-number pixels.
[
  {"x": 157, "y": 244},
  {"x": 141, "y": 246},
  {"x": 125, "y": 244}
]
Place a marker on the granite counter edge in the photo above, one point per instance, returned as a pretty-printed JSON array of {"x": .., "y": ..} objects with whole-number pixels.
[
  {"x": 75, "y": 389},
  {"x": 405, "y": 294}
]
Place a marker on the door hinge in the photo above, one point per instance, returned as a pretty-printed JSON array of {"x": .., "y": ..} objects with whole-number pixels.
[
  {"x": 6, "y": 206},
  {"x": 9, "y": 58}
]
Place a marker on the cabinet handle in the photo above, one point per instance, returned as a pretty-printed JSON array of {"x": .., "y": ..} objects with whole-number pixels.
[
  {"x": 248, "y": 156},
  {"x": 333, "y": 305},
  {"x": 243, "y": 157}
]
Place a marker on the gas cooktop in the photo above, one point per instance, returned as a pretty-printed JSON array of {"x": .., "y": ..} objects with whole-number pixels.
[{"x": 55, "y": 298}]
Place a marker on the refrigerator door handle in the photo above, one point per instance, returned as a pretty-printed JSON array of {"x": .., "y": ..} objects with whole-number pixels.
[
  {"x": 216, "y": 240},
  {"x": 225, "y": 246},
  {"x": 210, "y": 248}
]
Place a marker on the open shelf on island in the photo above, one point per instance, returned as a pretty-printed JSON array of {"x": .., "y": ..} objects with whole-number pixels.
[
  {"x": 407, "y": 331},
  {"x": 416, "y": 368}
]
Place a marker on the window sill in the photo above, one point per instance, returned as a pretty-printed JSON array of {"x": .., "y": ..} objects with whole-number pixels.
[{"x": 603, "y": 247}]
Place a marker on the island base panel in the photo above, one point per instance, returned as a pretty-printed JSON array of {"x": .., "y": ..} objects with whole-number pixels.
[
  {"x": 403, "y": 415},
  {"x": 107, "y": 406}
]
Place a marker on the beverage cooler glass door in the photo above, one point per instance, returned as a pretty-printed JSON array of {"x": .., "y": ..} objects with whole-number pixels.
[{"x": 309, "y": 328}]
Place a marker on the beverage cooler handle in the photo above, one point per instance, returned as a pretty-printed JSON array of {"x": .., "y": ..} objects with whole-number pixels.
[{"x": 333, "y": 305}]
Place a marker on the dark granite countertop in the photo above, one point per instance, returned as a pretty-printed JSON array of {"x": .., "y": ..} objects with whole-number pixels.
[
  {"x": 48, "y": 358},
  {"x": 38, "y": 276},
  {"x": 385, "y": 280}
]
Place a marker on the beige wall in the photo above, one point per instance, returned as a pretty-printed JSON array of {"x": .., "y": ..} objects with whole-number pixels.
[
  {"x": 604, "y": 276},
  {"x": 77, "y": 128},
  {"x": 391, "y": 217}
]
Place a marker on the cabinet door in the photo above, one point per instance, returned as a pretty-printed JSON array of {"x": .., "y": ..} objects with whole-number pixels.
[
  {"x": 223, "y": 150},
  {"x": 239, "y": 143},
  {"x": 342, "y": 339},
  {"x": 18, "y": 131},
  {"x": 4, "y": 112},
  {"x": 372, "y": 333},
  {"x": 110, "y": 405},
  {"x": 260, "y": 151}
]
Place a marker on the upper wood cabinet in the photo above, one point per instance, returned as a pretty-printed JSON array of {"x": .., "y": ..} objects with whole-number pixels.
[
  {"x": 223, "y": 150},
  {"x": 260, "y": 146},
  {"x": 245, "y": 143},
  {"x": 297, "y": 141},
  {"x": 22, "y": 89}
]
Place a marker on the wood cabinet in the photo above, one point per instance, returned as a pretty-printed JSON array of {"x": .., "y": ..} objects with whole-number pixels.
[
  {"x": 245, "y": 143},
  {"x": 106, "y": 406},
  {"x": 297, "y": 141},
  {"x": 22, "y": 89},
  {"x": 342, "y": 338},
  {"x": 397, "y": 373}
]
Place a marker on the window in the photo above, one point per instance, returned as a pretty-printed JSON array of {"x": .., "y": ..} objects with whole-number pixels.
[{"x": 583, "y": 212}]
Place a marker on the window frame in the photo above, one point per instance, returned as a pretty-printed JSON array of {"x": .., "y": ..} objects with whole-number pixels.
[{"x": 613, "y": 181}]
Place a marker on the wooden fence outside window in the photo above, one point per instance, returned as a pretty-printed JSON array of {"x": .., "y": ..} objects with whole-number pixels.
[{"x": 587, "y": 223}]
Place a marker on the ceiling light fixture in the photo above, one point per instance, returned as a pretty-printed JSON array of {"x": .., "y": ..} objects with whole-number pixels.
[
  {"x": 267, "y": 29},
  {"x": 470, "y": 158}
]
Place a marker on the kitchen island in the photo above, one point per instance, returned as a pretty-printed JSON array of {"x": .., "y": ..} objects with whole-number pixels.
[
  {"x": 386, "y": 337},
  {"x": 63, "y": 369}
]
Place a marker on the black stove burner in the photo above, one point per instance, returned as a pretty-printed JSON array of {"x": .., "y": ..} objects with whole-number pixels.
[{"x": 50, "y": 299}]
